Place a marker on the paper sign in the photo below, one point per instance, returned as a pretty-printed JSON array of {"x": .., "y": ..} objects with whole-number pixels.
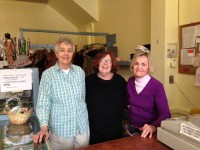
[
  {"x": 12, "y": 80},
  {"x": 197, "y": 77},
  {"x": 198, "y": 40},
  {"x": 187, "y": 56},
  {"x": 188, "y": 37}
]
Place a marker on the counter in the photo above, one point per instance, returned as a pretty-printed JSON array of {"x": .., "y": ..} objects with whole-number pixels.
[
  {"x": 19, "y": 137},
  {"x": 129, "y": 143}
]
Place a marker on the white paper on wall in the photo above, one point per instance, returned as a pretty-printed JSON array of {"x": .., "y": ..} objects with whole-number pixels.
[
  {"x": 197, "y": 60},
  {"x": 15, "y": 80},
  {"x": 188, "y": 37},
  {"x": 187, "y": 56},
  {"x": 197, "y": 77}
]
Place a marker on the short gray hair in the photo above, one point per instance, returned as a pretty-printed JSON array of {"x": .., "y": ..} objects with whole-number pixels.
[
  {"x": 66, "y": 41},
  {"x": 151, "y": 67}
]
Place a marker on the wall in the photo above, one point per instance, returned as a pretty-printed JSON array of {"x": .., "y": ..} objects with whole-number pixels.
[
  {"x": 188, "y": 12},
  {"x": 129, "y": 19},
  {"x": 158, "y": 37},
  {"x": 90, "y": 6},
  {"x": 35, "y": 16},
  {"x": 166, "y": 17}
]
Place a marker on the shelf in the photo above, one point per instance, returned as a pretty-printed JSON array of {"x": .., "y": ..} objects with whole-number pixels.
[{"x": 123, "y": 63}]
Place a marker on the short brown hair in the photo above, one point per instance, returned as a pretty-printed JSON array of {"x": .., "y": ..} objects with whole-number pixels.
[{"x": 101, "y": 55}]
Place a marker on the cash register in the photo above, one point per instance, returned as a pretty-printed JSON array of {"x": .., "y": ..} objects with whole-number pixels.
[{"x": 181, "y": 133}]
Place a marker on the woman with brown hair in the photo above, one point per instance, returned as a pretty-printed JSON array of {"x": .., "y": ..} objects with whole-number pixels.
[{"x": 105, "y": 98}]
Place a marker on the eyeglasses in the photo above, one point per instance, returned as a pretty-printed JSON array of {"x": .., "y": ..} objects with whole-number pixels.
[{"x": 108, "y": 61}]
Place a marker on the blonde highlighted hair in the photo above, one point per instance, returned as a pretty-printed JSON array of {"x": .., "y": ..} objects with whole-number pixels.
[{"x": 151, "y": 67}]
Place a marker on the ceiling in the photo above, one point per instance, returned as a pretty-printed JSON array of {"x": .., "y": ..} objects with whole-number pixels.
[{"x": 74, "y": 13}]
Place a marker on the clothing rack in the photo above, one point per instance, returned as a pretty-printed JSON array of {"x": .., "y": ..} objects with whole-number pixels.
[
  {"x": 95, "y": 44},
  {"x": 110, "y": 38}
]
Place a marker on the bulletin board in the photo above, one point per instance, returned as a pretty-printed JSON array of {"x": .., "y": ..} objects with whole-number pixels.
[{"x": 188, "y": 35}]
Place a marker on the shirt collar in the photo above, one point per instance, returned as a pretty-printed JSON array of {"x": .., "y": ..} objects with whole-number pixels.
[
  {"x": 57, "y": 67},
  {"x": 144, "y": 79}
]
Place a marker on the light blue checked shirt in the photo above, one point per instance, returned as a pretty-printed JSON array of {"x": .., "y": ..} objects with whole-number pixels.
[{"x": 61, "y": 101}]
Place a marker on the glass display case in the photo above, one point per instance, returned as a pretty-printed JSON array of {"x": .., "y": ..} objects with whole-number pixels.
[{"x": 19, "y": 137}]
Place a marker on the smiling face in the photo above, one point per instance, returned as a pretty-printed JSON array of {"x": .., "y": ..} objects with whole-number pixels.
[
  {"x": 105, "y": 65},
  {"x": 141, "y": 66},
  {"x": 64, "y": 55}
]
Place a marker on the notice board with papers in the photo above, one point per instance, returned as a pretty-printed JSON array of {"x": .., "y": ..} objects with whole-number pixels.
[{"x": 189, "y": 47}]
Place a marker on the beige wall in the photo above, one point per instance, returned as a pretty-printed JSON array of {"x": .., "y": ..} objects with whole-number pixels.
[
  {"x": 166, "y": 17},
  {"x": 129, "y": 19},
  {"x": 158, "y": 37},
  {"x": 15, "y": 15},
  {"x": 188, "y": 12},
  {"x": 90, "y": 6}
]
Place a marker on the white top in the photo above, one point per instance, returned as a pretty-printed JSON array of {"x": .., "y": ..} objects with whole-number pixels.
[
  {"x": 66, "y": 71},
  {"x": 140, "y": 83}
]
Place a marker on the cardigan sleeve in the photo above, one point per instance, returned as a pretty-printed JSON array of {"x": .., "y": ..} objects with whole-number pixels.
[{"x": 162, "y": 105}]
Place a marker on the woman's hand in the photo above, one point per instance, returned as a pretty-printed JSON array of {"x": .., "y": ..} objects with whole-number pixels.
[
  {"x": 43, "y": 132},
  {"x": 148, "y": 130}
]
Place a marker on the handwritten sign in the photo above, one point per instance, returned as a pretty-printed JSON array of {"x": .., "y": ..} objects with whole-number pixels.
[{"x": 12, "y": 80}]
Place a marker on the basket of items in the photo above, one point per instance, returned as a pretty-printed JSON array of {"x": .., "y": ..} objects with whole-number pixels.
[{"x": 17, "y": 114}]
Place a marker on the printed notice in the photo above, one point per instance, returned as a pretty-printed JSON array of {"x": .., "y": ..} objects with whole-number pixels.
[
  {"x": 12, "y": 80},
  {"x": 187, "y": 56},
  {"x": 188, "y": 37},
  {"x": 197, "y": 77}
]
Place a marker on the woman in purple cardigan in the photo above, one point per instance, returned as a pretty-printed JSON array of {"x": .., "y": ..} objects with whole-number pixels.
[{"x": 147, "y": 98}]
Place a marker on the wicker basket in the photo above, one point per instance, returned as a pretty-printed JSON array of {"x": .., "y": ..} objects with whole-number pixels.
[{"x": 16, "y": 118}]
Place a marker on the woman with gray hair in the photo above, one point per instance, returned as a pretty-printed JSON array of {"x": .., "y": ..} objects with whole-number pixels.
[
  {"x": 61, "y": 107},
  {"x": 146, "y": 95}
]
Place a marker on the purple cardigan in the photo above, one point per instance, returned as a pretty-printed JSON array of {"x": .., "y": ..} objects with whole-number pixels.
[{"x": 150, "y": 106}]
